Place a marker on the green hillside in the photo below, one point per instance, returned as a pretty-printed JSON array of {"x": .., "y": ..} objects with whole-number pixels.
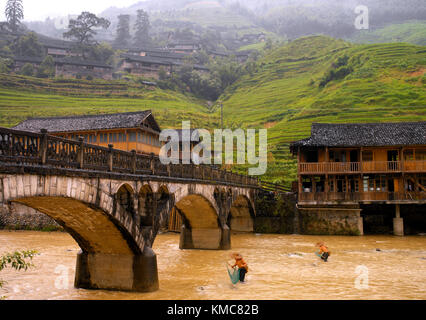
[
  {"x": 22, "y": 97},
  {"x": 411, "y": 32},
  {"x": 386, "y": 83}
]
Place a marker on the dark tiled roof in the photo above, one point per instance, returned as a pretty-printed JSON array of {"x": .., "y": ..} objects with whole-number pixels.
[
  {"x": 145, "y": 59},
  {"x": 68, "y": 61},
  {"x": 88, "y": 122},
  {"x": 159, "y": 60},
  {"x": 364, "y": 135}
]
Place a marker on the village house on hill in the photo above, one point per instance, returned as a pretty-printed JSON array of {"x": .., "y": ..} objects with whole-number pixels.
[
  {"x": 346, "y": 169},
  {"x": 150, "y": 66},
  {"x": 125, "y": 131},
  {"x": 69, "y": 67}
]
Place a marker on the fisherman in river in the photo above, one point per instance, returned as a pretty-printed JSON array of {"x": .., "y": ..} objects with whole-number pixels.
[
  {"x": 242, "y": 267},
  {"x": 324, "y": 253}
]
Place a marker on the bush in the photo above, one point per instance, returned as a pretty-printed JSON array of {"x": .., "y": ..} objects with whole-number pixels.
[
  {"x": 89, "y": 77},
  {"x": 47, "y": 68},
  {"x": 27, "y": 70},
  {"x": 78, "y": 76}
]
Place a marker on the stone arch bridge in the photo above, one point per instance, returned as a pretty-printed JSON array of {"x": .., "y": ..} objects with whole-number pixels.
[{"x": 113, "y": 203}]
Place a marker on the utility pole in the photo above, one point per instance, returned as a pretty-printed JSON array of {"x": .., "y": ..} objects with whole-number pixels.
[{"x": 221, "y": 115}]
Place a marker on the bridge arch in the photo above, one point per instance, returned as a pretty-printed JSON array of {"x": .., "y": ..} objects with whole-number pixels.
[
  {"x": 201, "y": 228},
  {"x": 241, "y": 215},
  {"x": 146, "y": 206},
  {"x": 113, "y": 252}
]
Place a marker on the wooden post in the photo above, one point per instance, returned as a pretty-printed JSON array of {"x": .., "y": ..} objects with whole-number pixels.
[
  {"x": 152, "y": 164},
  {"x": 80, "y": 157},
  {"x": 169, "y": 170},
  {"x": 43, "y": 146},
  {"x": 134, "y": 161},
  {"x": 110, "y": 157}
]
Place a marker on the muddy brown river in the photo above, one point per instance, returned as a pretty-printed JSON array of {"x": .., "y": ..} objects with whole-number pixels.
[{"x": 281, "y": 267}]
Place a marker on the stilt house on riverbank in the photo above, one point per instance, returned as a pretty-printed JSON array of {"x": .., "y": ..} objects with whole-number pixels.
[{"x": 353, "y": 170}]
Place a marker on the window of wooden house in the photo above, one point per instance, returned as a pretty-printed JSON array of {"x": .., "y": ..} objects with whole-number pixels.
[
  {"x": 340, "y": 156},
  {"x": 132, "y": 137},
  {"x": 365, "y": 183},
  {"x": 421, "y": 155},
  {"x": 331, "y": 185},
  {"x": 354, "y": 185},
  {"x": 331, "y": 156},
  {"x": 341, "y": 184},
  {"x": 311, "y": 156},
  {"x": 319, "y": 184},
  {"x": 367, "y": 156},
  {"x": 380, "y": 184},
  {"x": 409, "y": 155},
  {"x": 307, "y": 185},
  {"x": 371, "y": 185},
  {"x": 103, "y": 138}
]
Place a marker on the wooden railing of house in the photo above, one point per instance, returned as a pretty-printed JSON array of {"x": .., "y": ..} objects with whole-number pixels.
[
  {"x": 364, "y": 167},
  {"x": 40, "y": 149},
  {"x": 361, "y": 196}
]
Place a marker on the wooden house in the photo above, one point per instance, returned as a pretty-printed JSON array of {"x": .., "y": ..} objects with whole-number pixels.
[
  {"x": 68, "y": 67},
  {"x": 149, "y": 66},
  {"x": 369, "y": 163},
  {"x": 125, "y": 131}
]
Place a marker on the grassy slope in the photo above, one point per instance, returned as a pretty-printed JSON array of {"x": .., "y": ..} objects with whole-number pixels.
[
  {"x": 22, "y": 97},
  {"x": 411, "y": 32},
  {"x": 387, "y": 84}
]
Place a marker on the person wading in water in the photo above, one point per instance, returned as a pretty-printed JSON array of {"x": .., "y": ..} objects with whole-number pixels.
[
  {"x": 241, "y": 264},
  {"x": 324, "y": 253}
]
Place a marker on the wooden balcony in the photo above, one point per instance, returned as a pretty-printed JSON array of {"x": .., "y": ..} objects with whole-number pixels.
[
  {"x": 323, "y": 197},
  {"x": 362, "y": 167}
]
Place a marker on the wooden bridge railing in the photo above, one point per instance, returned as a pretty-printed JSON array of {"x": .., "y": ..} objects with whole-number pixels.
[{"x": 26, "y": 148}]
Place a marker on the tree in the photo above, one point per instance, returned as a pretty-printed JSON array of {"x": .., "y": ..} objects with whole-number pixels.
[
  {"x": 142, "y": 26},
  {"x": 17, "y": 260},
  {"x": 81, "y": 28},
  {"x": 27, "y": 70},
  {"x": 14, "y": 13},
  {"x": 47, "y": 68},
  {"x": 102, "y": 52},
  {"x": 28, "y": 46},
  {"x": 123, "y": 36}
]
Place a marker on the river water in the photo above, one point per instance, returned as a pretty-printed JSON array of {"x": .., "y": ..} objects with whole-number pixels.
[{"x": 280, "y": 267}]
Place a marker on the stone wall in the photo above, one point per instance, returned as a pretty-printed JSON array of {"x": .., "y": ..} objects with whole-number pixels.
[
  {"x": 276, "y": 214},
  {"x": 330, "y": 221},
  {"x": 19, "y": 217}
]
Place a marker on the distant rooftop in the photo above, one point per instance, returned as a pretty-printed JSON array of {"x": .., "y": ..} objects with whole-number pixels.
[
  {"x": 88, "y": 122},
  {"x": 69, "y": 61},
  {"x": 364, "y": 135}
]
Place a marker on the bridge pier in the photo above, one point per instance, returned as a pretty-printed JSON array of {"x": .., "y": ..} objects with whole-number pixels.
[
  {"x": 205, "y": 239},
  {"x": 117, "y": 272}
]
